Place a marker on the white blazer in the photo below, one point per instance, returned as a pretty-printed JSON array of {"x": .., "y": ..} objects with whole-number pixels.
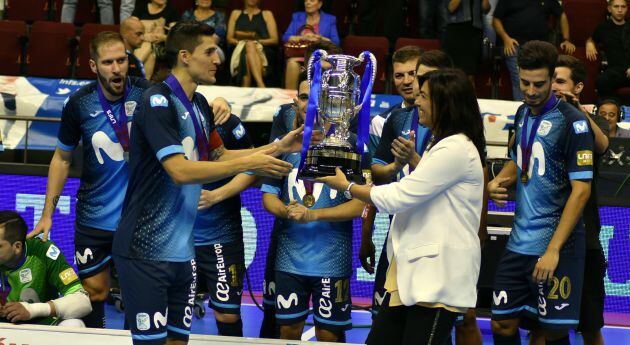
[{"x": 433, "y": 235}]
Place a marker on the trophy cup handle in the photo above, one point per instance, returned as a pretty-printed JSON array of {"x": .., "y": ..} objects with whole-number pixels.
[
  {"x": 370, "y": 82},
  {"x": 311, "y": 62}
]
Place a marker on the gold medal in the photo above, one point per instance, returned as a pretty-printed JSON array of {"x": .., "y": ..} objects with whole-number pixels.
[
  {"x": 309, "y": 200},
  {"x": 524, "y": 178}
]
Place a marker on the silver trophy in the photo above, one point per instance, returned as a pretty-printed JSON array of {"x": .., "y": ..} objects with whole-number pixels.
[{"x": 339, "y": 101}]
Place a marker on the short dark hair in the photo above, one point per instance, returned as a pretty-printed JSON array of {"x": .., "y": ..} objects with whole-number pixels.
[
  {"x": 538, "y": 54},
  {"x": 407, "y": 53},
  {"x": 15, "y": 227},
  {"x": 101, "y": 39},
  {"x": 185, "y": 35},
  {"x": 454, "y": 106},
  {"x": 436, "y": 59},
  {"x": 328, "y": 46},
  {"x": 577, "y": 68},
  {"x": 302, "y": 77}
]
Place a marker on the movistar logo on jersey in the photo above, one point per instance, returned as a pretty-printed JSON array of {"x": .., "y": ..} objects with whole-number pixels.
[
  {"x": 239, "y": 132},
  {"x": 158, "y": 101},
  {"x": 580, "y": 127}
]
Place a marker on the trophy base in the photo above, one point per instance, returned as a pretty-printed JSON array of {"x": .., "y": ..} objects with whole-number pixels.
[{"x": 322, "y": 160}]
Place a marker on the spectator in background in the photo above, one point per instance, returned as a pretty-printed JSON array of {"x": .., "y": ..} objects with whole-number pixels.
[
  {"x": 105, "y": 8},
  {"x": 519, "y": 21},
  {"x": 432, "y": 14},
  {"x": 611, "y": 110},
  {"x": 254, "y": 34},
  {"x": 463, "y": 38},
  {"x": 613, "y": 37},
  {"x": 203, "y": 12},
  {"x": 126, "y": 9},
  {"x": 157, "y": 16},
  {"x": 309, "y": 26},
  {"x": 132, "y": 32}
]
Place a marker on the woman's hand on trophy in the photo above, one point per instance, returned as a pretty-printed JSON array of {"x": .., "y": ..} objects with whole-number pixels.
[
  {"x": 299, "y": 213},
  {"x": 338, "y": 182},
  {"x": 404, "y": 150}
]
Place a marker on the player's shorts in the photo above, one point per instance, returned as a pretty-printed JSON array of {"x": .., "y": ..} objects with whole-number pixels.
[
  {"x": 93, "y": 250},
  {"x": 269, "y": 284},
  {"x": 221, "y": 268},
  {"x": 555, "y": 305},
  {"x": 379, "y": 281},
  {"x": 330, "y": 296},
  {"x": 159, "y": 298},
  {"x": 592, "y": 309}
]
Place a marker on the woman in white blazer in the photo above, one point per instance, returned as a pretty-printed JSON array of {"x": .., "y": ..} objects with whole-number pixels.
[{"x": 433, "y": 245}]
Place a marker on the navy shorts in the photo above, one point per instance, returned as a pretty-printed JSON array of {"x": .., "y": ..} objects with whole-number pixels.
[
  {"x": 269, "y": 284},
  {"x": 159, "y": 297},
  {"x": 379, "y": 280},
  {"x": 555, "y": 305},
  {"x": 330, "y": 297},
  {"x": 221, "y": 268},
  {"x": 93, "y": 250}
]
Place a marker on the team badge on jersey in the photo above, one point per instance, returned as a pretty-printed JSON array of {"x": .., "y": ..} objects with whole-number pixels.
[
  {"x": 544, "y": 128},
  {"x": 580, "y": 127},
  {"x": 158, "y": 101},
  {"x": 53, "y": 252},
  {"x": 130, "y": 107},
  {"x": 68, "y": 276},
  {"x": 26, "y": 276}
]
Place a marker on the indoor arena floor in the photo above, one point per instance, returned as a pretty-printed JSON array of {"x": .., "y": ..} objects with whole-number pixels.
[{"x": 252, "y": 317}]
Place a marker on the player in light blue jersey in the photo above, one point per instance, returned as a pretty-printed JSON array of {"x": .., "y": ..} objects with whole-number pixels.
[
  {"x": 540, "y": 274},
  {"x": 314, "y": 250},
  {"x": 99, "y": 115},
  {"x": 174, "y": 150}
]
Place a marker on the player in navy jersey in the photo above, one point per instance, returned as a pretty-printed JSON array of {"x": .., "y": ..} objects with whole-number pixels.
[
  {"x": 541, "y": 271},
  {"x": 99, "y": 115},
  {"x": 174, "y": 150},
  {"x": 218, "y": 232},
  {"x": 314, "y": 249}
]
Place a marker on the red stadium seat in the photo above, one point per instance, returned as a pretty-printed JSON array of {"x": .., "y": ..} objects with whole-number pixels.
[
  {"x": 50, "y": 49},
  {"x": 584, "y": 16},
  {"x": 13, "y": 37},
  {"x": 426, "y": 44},
  {"x": 589, "y": 95},
  {"x": 377, "y": 45},
  {"x": 483, "y": 81},
  {"x": 90, "y": 30},
  {"x": 27, "y": 10}
]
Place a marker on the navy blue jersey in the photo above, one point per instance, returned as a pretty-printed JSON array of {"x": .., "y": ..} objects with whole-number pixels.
[
  {"x": 221, "y": 223},
  {"x": 158, "y": 215},
  {"x": 105, "y": 171},
  {"x": 562, "y": 151},
  {"x": 283, "y": 123},
  {"x": 376, "y": 127},
  {"x": 398, "y": 124},
  {"x": 318, "y": 249}
]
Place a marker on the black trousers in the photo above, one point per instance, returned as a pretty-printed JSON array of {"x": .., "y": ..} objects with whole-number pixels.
[
  {"x": 411, "y": 325},
  {"x": 610, "y": 80}
]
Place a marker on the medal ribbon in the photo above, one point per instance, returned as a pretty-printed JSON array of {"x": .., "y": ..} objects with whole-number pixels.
[
  {"x": 527, "y": 145},
  {"x": 118, "y": 125},
  {"x": 202, "y": 139}
]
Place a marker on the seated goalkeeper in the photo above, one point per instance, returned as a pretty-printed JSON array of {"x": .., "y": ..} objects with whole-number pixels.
[{"x": 37, "y": 285}]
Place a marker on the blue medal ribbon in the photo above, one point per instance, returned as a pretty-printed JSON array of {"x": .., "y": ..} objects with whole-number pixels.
[
  {"x": 119, "y": 125},
  {"x": 202, "y": 138},
  {"x": 364, "y": 114},
  {"x": 311, "y": 109},
  {"x": 527, "y": 145}
]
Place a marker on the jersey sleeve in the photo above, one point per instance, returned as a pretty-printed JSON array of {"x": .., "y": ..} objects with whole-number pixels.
[
  {"x": 579, "y": 149},
  {"x": 272, "y": 186},
  {"x": 278, "y": 126},
  {"x": 239, "y": 136},
  {"x": 383, "y": 154},
  {"x": 70, "y": 129},
  {"x": 158, "y": 122},
  {"x": 59, "y": 272}
]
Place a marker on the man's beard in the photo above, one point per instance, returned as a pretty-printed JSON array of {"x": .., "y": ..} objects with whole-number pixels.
[{"x": 105, "y": 83}]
